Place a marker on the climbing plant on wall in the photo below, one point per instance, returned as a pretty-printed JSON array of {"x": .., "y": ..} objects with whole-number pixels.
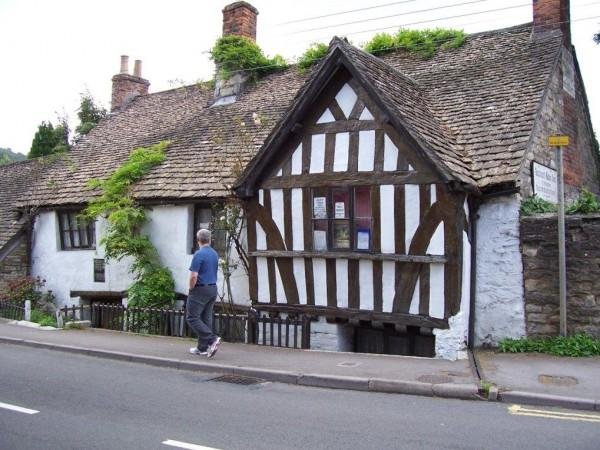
[{"x": 153, "y": 284}]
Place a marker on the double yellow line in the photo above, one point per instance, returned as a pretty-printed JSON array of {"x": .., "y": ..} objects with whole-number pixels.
[{"x": 548, "y": 414}]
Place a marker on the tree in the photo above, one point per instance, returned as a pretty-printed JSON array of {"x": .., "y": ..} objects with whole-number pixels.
[
  {"x": 89, "y": 114},
  {"x": 7, "y": 156},
  {"x": 49, "y": 140},
  {"x": 597, "y": 38}
]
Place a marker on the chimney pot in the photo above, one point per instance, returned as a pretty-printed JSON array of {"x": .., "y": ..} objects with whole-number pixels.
[
  {"x": 239, "y": 19},
  {"x": 126, "y": 87},
  {"x": 124, "y": 64},
  {"x": 137, "y": 68}
]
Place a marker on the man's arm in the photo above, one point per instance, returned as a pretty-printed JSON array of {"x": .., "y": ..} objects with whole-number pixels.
[{"x": 193, "y": 279}]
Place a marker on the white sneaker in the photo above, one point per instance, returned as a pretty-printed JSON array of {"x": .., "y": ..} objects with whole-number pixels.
[
  {"x": 212, "y": 349},
  {"x": 196, "y": 351}
]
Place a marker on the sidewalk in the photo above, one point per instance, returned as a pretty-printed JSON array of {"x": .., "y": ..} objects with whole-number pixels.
[{"x": 515, "y": 375}]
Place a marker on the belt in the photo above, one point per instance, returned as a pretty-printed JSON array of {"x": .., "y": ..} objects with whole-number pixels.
[{"x": 209, "y": 284}]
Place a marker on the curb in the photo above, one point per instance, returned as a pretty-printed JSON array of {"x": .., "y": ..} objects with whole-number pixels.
[
  {"x": 445, "y": 390},
  {"x": 530, "y": 398}
]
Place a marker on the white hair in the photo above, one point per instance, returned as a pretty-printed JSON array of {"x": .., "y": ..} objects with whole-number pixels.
[{"x": 203, "y": 236}]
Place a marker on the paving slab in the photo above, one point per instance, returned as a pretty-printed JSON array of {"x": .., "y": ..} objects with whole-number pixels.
[{"x": 542, "y": 374}]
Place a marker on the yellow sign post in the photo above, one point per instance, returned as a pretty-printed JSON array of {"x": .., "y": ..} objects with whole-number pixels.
[{"x": 560, "y": 141}]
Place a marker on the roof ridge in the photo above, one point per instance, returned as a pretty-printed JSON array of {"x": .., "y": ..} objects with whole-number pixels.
[{"x": 430, "y": 104}]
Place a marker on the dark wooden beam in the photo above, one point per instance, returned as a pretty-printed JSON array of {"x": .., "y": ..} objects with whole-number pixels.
[
  {"x": 420, "y": 259},
  {"x": 356, "y": 315}
]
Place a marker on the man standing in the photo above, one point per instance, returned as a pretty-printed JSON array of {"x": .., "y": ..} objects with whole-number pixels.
[{"x": 202, "y": 296}]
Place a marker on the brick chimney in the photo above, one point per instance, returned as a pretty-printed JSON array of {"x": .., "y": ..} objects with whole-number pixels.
[
  {"x": 551, "y": 15},
  {"x": 239, "y": 19},
  {"x": 126, "y": 87}
]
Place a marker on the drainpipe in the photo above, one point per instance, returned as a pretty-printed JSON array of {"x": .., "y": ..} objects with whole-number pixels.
[{"x": 473, "y": 216}]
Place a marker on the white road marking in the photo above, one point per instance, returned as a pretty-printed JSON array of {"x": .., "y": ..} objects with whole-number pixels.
[
  {"x": 18, "y": 408},
  {"x": 187, "y": 445},
  {"x": 549, "y": 414}
]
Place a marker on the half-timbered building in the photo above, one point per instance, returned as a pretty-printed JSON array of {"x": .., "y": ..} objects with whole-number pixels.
[{"x": 358, "y": 214}]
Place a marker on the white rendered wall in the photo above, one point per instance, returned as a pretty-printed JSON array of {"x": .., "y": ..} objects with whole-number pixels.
[
  {"x": 499, "y": 308},
  {"x": 452, "y": 343},
  {"x": 170, "y": 230}
]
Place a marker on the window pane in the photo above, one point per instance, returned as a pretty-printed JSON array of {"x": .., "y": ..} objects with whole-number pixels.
[
  {"x": 67, "y": 240},
  {"x": 341, "y": 234},
  {"x": 320, "y": 234},
  {"x": 362, "y": 202},
  {"x": 341, "y": 202},
  {"x": 64, "y": 221},
  {"x": 203, "y": 218}
]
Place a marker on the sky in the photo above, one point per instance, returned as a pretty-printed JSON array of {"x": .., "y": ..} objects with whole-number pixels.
[{"x": 52, "y": 51}]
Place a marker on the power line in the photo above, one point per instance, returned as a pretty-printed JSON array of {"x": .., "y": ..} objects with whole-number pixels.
[
  {"x": 395, "y": 15},
  {"x": 306, "y": 19}
]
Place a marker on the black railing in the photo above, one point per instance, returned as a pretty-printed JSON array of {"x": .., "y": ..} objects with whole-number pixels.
[
  {"x": 291, "y": 332},
  {"x": 253, "y": 328},
  {"x": 12, "y": 311}
]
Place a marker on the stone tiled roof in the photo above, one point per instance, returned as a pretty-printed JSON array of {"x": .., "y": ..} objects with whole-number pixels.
[
  {"x": 486, "y": 94},
  {"x": 15, "y": 179},
  {"x": 473, "y": 108},
  {"x": 205, "y": 147}
]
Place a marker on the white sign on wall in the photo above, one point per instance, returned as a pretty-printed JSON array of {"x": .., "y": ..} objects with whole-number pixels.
[{"x": 545, "y": 184}]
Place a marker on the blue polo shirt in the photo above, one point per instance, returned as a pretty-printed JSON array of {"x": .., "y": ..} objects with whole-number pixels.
[{"x": 206, "y": 263}]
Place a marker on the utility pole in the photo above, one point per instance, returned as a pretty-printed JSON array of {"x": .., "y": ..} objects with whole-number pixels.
[{"x": 559, "y": 142}]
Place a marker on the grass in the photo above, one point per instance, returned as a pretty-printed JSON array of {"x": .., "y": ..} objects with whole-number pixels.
[
  {"x": 44, "y": 319},
  {"x": 577, "y": 345}
]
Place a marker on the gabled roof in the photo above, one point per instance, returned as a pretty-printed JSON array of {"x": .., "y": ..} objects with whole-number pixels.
[
  {"x": 405, "y": 103},
  {"x": 470, "y": 109}
]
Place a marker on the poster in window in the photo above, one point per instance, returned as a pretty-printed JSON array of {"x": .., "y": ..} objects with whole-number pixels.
[
  {"x": 341, "y": 235},
  {"x": 363, "y": 238},
  {"x": 320, "y": 240},
  {"x": 320, "y": 208},
  {"x": 340, "y": 210}
]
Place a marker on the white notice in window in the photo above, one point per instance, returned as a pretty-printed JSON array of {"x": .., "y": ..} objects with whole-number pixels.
[
  {"x": 320, "y": 240},
  {"x": 340, "y": 210},
  {"x": 362, "y": 240},
  {"x": 319, "y": 208}
]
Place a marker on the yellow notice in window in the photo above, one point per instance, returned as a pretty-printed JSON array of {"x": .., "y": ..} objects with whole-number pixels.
[{"x": 558, "y": 141}]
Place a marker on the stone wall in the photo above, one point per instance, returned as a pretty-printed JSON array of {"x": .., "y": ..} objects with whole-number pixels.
[
  {"x": 540, "y": 263},
  {"x": 14, "y": 263}
]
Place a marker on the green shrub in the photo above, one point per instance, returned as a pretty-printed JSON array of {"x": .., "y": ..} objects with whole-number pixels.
[
  {"x": 577, "y": 345},
  {"x": 421, "y": 42},
  {"x": 235, "y": 53},
  {"x": 536, "y": 205},
  {"x": 380, "y": 43},
  {"x": 586, "y": 203},
  {"x": 312, "y": 55},
  {"x": 44, "y": 319}
]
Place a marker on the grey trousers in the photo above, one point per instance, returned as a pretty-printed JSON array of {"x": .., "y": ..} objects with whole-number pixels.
[{"x": 199, "y": 314}]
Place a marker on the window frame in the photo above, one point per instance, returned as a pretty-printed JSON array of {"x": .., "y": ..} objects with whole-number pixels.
[
  {"x": 350, "y": 218},
  {"x": 218, "y": 240},
  {"x": 88, "y": 229}
]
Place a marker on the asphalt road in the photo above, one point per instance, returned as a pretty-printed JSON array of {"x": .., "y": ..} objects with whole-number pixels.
[{"x": 90, "y": 403}]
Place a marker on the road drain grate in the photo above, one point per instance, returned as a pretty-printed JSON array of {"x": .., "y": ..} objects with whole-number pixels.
[{"x": 237, "y": 379}]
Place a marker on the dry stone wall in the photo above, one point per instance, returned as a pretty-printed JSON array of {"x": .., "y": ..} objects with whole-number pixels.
[
  {"x": 14, "y": 264},
  {"x": 540, "y": 269}
]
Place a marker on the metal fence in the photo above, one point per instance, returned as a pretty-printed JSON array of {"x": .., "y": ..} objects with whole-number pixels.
[
  {"x": 12, "y": 311},
  {"x": 251, "y": 328}
]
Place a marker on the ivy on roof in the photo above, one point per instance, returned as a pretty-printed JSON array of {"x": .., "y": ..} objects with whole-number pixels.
[{"x": 424, "y": 43}]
